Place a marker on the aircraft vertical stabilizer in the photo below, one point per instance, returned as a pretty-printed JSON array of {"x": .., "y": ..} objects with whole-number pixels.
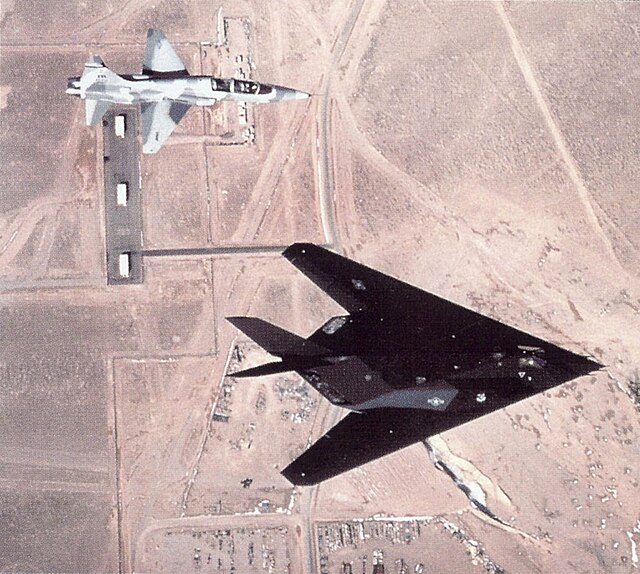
[
  {"x": 275, "y": 340},
  {"x": 94, "y": 62}
]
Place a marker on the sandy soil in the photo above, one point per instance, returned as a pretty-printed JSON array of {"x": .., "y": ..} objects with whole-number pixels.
[{"x": 483, "y": 151}]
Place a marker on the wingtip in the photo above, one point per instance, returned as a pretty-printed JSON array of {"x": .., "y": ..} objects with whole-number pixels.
[
  {"x": 239, "y": 374},
  {"x": 262, "y": 370},
  {"x": 298, "y": 249},
  {"x": 239, "y": 321},
  {"x": 298, "y": 478}
]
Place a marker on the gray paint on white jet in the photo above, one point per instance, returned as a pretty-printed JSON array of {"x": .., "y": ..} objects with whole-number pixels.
[{"x": 165, "y": 90}]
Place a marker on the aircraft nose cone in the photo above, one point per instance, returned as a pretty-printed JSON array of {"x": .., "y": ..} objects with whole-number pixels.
[
  {"x": 589, "y": 366},
  {"x": 583, "y": 366},
  {"x": 283, "y": 94}
]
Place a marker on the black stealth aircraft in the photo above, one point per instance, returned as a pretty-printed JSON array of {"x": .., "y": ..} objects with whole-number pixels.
[{"x": 407, "y": 363}]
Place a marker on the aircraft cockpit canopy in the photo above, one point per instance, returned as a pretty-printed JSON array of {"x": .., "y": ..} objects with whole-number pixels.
[
  {"x": 244, "y": 87},
  {"x": 239, "y": 86},
  {"x": 248, "y": 87},
  {"x": 221, "y": 85}
]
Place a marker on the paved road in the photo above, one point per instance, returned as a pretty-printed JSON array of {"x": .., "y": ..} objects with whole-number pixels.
[
  {"x": 328, "y": 214},
  {"x": 220, "y": 250},
  {"x": 228, "y": 250}
]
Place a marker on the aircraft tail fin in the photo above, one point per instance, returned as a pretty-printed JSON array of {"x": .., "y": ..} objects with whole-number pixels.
[
  {"x": 266, "y": 369},
  {"x": 95, "y": 73},
  {"x": 95, "y": 62},
  {"x": 275, "y": 340},
  {"x": 95, "y": 68}
]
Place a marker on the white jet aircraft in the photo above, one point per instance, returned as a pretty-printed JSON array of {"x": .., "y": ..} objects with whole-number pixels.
[{"x": 165, "y": 90}]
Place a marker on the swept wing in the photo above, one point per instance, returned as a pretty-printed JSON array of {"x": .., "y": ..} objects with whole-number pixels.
[
  {"x": 365, "y": 436},
  {"x": 412, "y": 315},
  {"x": 159, "y": 119},
  {"x": 160, "y": 56},
  {"x": 95, "y": 110}
]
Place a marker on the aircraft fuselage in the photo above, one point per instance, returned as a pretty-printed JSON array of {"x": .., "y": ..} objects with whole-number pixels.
[
  {"x": 165, "y": 91},
  {"x": 191, "y": 90},
  {"x": 429, "y": 378}
]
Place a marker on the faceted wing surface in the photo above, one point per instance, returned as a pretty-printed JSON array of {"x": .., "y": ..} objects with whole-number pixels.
[{"x": 409, "y": 316}]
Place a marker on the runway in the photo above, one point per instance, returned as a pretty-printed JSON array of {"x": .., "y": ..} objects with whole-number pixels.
[{"x": 123, "y": 222}]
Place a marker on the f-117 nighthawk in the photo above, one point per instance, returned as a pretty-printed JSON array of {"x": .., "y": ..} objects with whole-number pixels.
[
  {"x": 165, "y": 90},
  {"x": 407, "y": 363}
]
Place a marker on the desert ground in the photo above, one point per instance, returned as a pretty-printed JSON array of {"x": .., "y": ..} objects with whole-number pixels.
[{"x": 483, "y": 151}]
